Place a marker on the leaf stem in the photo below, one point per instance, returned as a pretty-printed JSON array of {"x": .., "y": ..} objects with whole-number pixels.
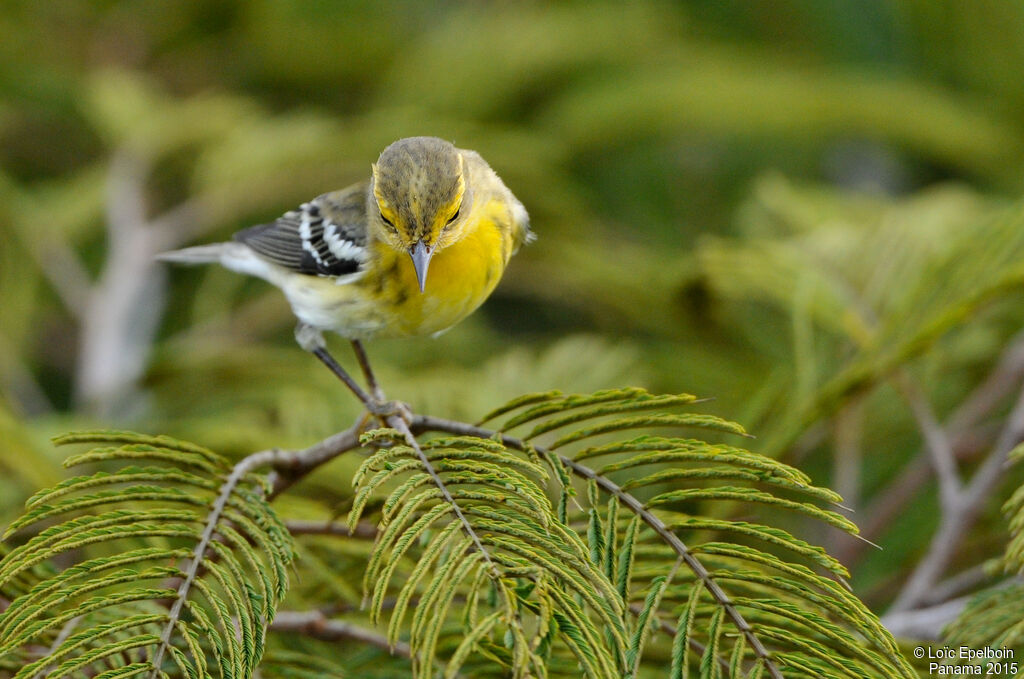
[
  {"x": 315, "y": 624},
  {"x": 239, "y": 471}
]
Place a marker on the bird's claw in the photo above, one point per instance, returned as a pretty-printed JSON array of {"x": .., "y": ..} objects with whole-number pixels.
[{"x": 383, "y": 410}]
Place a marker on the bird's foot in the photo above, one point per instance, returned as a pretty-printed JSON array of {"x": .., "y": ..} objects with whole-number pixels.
[{"x": 383, "y": 410}]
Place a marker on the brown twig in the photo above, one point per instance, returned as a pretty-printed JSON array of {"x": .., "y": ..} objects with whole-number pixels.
[
  {"x": 957, "y": 585},
  {"x": 290, "y": 466},
  {"x": 307, "y": 527},
  {"x": 312, "y": 341},
  {"x": 315, "y": 624}
]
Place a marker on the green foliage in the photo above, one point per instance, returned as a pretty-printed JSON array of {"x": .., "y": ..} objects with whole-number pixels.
[
  {"x": 533, "y": 562},
  {"x": 937, "y": 260},
  {"x": 178, "y": 551},
  {"x": 280, "y": 664},
  {"x": 1013, "y": 508},
  {"x": 173, "y": 525},
  {"x": 782, "y": 204},
  {"x": 743, "y": 593}
]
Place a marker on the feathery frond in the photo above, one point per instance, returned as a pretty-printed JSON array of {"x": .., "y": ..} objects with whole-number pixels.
[
  {"x": 534, "y": 566},
  {"x": 764, "y": 594},
  {"x": 749, "y": 597},
  {"x": 177, "y": 564},
  {"x": 280, "y": 664},
  {"x": 583, "y": 547}
]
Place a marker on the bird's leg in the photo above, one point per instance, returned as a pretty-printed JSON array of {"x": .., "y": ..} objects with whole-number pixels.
[
  {"x": 382, "y": 407},
  {"x": 364, "y": 363},
  {"x": 310, "y": 339}
]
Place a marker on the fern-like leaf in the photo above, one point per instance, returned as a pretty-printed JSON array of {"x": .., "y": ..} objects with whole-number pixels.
[
  {"x": 176, "y": 562},
  {"x": 751, "y": 599},
  {"x": 533, "y": 566}
]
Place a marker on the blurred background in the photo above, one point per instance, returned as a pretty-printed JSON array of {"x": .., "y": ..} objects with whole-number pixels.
[{"x": 805, "y": 209}]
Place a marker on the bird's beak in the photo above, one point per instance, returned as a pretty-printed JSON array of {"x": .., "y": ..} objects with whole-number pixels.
[{"x": 421, "y": 254}]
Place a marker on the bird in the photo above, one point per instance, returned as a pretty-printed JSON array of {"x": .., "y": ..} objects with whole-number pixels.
[{"x": 409, "y": 252}]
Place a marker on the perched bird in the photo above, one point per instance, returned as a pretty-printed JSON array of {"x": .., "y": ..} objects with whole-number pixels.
[{"x": 412, "y": 251}]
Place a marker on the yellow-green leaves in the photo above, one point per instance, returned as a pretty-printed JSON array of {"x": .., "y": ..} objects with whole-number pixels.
[
  {"x": 592, "y": 575},
  {"x": 173, "y": 525}
]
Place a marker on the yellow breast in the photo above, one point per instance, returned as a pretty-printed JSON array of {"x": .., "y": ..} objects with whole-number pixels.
[{"x": 460, "y": 278}]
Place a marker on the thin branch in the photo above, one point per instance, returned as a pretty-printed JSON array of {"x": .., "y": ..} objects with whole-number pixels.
[
  {"x": 123, "y": 307},
  {"x": 397, "y": 417},
  {"x": 311, "y": 340},
  {"x": 304, "y": 527},
  {"x": 315, "y": 624},
  {"x": 991, "y": 471},
  {"x": 962, "y": 428},
  {"x": 957, "y": 585},
  {"x": 1001, "y": 381},
  {"x": 291, "y": 466},
  {"x": 937, "y": 442},
  {"x": 928, "y": 622},
  {"x": 958, "y": 520},
  {"x": 924, "y": 624},
  {"x": 422, "y": 423}
]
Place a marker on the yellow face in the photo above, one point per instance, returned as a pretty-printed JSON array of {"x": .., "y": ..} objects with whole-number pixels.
[{"x": 419, "y": 203}]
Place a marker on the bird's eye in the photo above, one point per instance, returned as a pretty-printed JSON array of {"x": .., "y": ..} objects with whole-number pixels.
[
  {"x": 386, "y": 220},
  {"x": 454, "y": 216}
]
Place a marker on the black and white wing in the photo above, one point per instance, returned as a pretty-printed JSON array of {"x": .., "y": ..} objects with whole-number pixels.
[{"x": 324, "y": 237}]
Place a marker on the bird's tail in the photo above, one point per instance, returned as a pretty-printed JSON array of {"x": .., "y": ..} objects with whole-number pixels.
[
  {"x": 200, "y": 254},
  {"x": 232, "y": 255}
]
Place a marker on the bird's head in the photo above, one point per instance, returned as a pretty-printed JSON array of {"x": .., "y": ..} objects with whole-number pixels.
[{"x": 416, "y": 198}]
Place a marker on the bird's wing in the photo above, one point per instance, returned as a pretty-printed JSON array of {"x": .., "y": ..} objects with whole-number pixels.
[{"x": 324, "y": 237}]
